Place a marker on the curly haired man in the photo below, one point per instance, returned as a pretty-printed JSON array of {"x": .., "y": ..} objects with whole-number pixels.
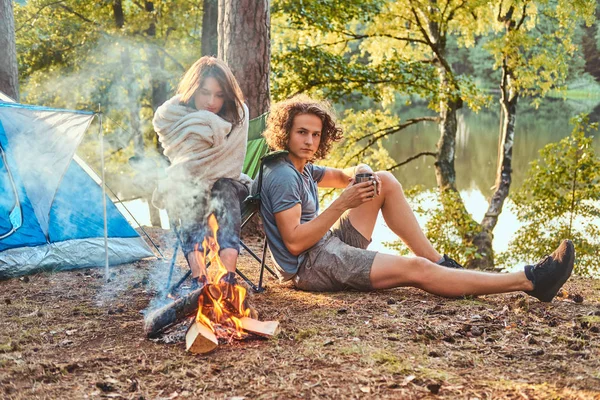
[{"x": 327, "y": 251}]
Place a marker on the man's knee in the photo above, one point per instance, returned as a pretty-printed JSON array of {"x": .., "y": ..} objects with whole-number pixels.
[{"x": 388, "y": 180}]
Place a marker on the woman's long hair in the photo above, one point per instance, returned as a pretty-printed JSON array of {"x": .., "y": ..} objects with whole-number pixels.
[{"x": 205, "y": 67}]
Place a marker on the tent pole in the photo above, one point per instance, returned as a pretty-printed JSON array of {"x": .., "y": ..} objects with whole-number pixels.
[{"x": 101, "y": 134}]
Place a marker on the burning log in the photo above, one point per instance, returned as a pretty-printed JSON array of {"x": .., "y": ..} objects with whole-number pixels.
[
  {"x": 159, "y": 320},
  {"x": 221, "y": 306},
  {"x": 200, "y": 339}
]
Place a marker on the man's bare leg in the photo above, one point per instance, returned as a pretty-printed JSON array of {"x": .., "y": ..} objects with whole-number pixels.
[
  {"x": 398, "y": 216},
  {"x": 391, "y": 271}
]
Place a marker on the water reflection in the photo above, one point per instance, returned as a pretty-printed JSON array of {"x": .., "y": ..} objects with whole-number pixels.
[
  {"x": 476, "y": 153},
  {"x": 477, "y": 142}
]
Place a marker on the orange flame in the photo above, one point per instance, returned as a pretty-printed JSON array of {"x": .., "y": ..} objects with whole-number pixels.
[{"x": 221, "y": 305}]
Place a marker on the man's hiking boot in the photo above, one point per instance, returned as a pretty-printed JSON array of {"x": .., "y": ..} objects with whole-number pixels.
[
  {"x": 551, "y": 272},
  {"x": 450, "y": 263}
]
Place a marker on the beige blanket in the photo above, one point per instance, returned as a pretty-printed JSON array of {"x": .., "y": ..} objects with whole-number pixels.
[
  {"x": 202, "y": 148},
  {"x": 200, "y": 145}
]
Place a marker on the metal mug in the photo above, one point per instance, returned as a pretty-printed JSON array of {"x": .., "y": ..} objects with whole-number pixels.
[{"x": 366, "y": 177}]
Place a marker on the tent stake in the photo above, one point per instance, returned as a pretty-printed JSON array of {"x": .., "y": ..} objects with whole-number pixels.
[{"x": 101, "y": 134}]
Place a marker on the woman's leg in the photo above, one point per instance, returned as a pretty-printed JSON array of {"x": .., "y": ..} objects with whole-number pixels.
[
  {"x": 226, "y": 200},
  {"x": 187, "y": 205},
  {"x": 192, "y": 232}
]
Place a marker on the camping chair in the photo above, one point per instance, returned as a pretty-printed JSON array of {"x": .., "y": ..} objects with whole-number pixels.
[{"x": 253, "y": 166}]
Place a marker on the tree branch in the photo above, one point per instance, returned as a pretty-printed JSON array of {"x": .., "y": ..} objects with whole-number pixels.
[
  {"x": 398, "y": 128},
  {"x": 37, "y": 14},
  {"x": 387, "y": 35},
  {"x": 425, "y": 153},
  {"x": 69, "y": 9},
  {"x": 522, "y": 17},
  {"x": 313, "y": 84},
  {"x": 387, "y": 132},
  {"x": 429, "y": 42}
]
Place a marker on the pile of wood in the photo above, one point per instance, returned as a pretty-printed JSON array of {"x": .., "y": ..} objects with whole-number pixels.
[{"x": 199, "y": 338}]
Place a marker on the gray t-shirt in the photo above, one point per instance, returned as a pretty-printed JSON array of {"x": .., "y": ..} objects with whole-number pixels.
[{"x": 283, "y": 187}]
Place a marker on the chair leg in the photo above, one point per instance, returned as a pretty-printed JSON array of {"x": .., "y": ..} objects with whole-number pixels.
[
  {"x": 258, "y": 258},
  {"x": 263, "y": 264},
  {"x": 254, "y": 288},
  {"x": 167, "y": 289},
  {"x": 179, "y": 282}
]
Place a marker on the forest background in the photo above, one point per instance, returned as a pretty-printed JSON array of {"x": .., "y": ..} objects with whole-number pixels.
[{"x": 443, "y": 93}]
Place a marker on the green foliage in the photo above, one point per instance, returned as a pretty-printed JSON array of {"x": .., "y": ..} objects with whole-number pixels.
[
  {"x": 73, "y": 55},
  {"x": 375, "y": 48},
  {"x": 536, "y": 45},
  {"x": 559, "y": 200},
  {"x": 342, "y": 78},
  {"x": 362, "y": 127}
]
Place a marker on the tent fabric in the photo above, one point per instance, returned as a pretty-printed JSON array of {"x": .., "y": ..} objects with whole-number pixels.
[
  {"x": 4, "y": 97},
  {"x": 46, "y": 193},
  {"x": 70, "y": 254}
]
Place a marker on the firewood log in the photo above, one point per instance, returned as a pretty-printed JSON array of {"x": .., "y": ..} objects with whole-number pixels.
[
  {"x": 158, "y": 320},
  {"x": 200, "y": 339},
  {"x": 266, "y": 329}
]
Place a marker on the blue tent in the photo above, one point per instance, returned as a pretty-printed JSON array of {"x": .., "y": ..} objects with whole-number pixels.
[{"x": 51, "y": 208}]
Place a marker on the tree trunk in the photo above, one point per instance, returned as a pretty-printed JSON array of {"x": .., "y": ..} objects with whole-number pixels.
[
  {"x": 210, "y": 18},
  {"x": 591, "y": 54},
  {"x": 159, "y": 96},
  {"x": 118, "y": 14},
  {"x": 244, "y": 44},
  {"x": 446, "y": 147},
  {"x": 483, "y": 240},
  {"x": 9, "y": 72}
]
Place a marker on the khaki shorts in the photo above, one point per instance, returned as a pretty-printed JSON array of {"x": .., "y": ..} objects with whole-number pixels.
[{"x": 338, "y": 262}]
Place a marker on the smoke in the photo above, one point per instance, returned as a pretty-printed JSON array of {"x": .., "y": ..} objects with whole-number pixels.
[{"x": 118, "y": 78}]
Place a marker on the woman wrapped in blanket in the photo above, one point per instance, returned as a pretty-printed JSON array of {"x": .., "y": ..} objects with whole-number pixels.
[{"x": 203, "y": 130}]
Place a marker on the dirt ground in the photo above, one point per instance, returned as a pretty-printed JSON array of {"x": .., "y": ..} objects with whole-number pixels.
[{"x": 70, "y": 335}]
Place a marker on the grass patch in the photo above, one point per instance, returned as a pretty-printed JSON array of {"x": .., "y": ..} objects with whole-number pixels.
[
  {"x": 435, "y": 374},
  {"x": 470, "y": 301},
  {"x": 305, "y": 334},
  {"x": 351, "y": 350},
  {"x": 390, "y": 362},
  {"x": 7, "y": 347},
  {"x": 592, "y": 319}
]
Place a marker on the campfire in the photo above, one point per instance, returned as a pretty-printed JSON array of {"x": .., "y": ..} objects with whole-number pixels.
[{"x": 220, "y": 308}]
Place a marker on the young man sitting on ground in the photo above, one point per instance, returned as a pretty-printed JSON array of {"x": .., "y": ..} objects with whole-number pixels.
[{"x": 327, "y": 251}]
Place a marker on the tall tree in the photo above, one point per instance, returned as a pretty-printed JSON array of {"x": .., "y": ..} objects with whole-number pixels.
[
  {"x": 244, "y": 44},
  {"x": 532, "y": 61},
  {"x": 210, "y": 18},
  {"x": 9, "y": 74}
]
